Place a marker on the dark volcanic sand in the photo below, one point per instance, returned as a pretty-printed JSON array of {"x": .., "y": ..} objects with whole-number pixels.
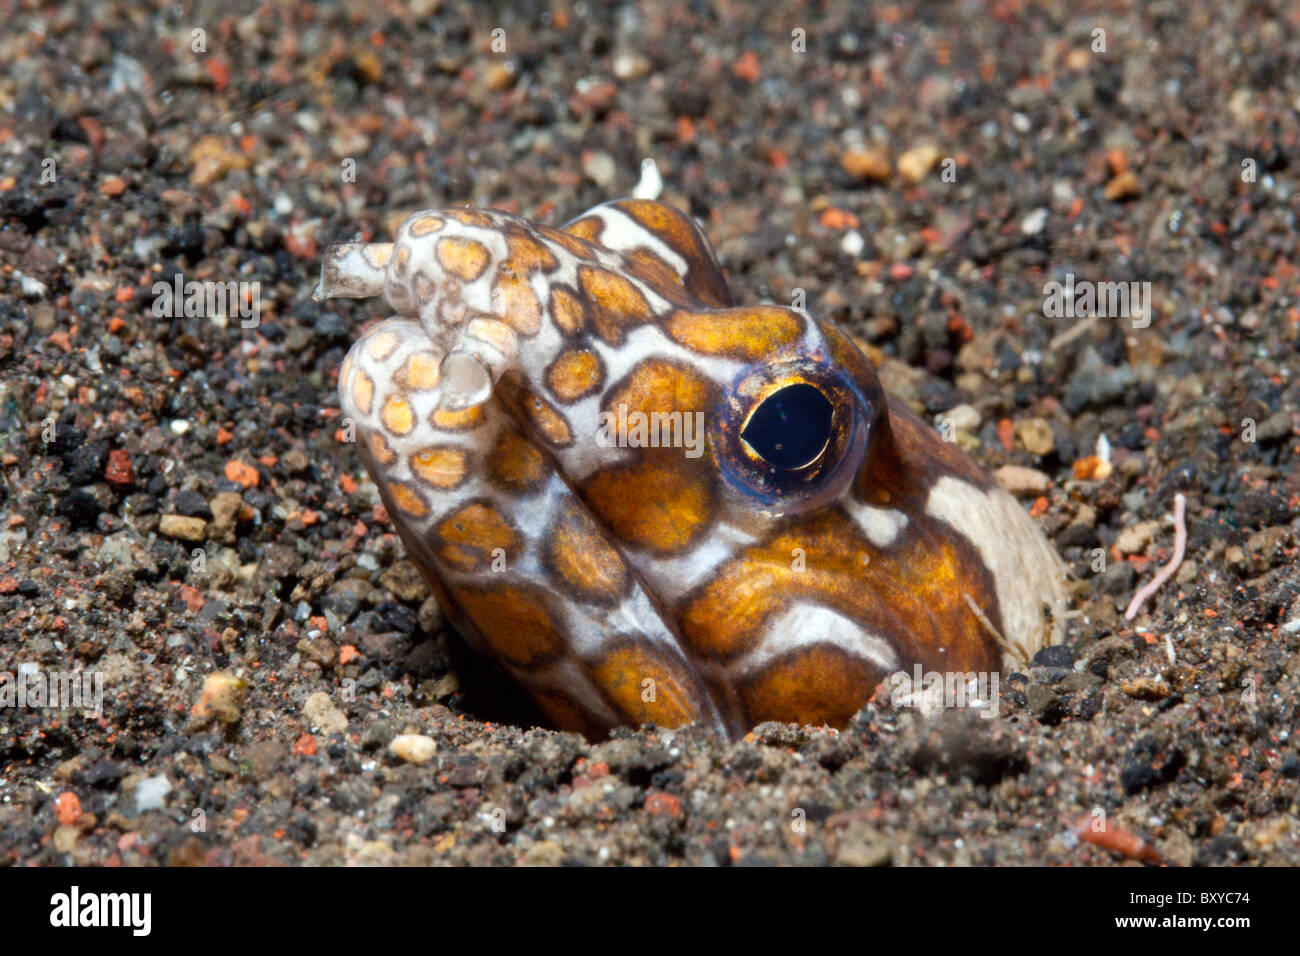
[{"x": 1117, "y": 166}]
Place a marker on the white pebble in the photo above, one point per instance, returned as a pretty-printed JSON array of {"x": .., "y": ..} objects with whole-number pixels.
[
  {"x": 413, "y": 748},
  {"x": 1033, "y": 223},
  {"x": 964, "y": 418},
  {"x": 852, "y": 244},
  {"x": 151, "y": 792},
  {"x": 599, "y": 167},
  {"x": 32, "y": 288}
]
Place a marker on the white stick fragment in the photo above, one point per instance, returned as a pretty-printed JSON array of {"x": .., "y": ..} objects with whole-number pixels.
[
  {"x": 651, "y": 183},
  {"x": 1165, "y": 573}
]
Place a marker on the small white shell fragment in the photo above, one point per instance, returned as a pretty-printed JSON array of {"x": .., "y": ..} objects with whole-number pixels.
[
  {"x": 413, "y": 748},
  {"x": 1033, "y": 223},
  {"x": 151, "y": 792}
]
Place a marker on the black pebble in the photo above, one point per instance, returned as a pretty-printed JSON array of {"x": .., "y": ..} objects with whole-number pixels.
[
  {"x": 1058, "y": 655},
  {"x": 193, "y": 505},
  {"x": 80, "y": 508}
]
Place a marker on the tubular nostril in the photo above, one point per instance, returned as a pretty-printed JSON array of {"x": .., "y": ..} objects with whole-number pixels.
[
  {"x": 353, "y": 270},
  {"x": 465, "y": 381}
]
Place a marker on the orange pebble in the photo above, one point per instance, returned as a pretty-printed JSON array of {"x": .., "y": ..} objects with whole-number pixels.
[
  {"x": 663, "y": 804},
  {"x": 746, "y": 68},
  {"x": 1006, "y": 433},
  {"x": 241, "y": 473},
  {"x": 67, "y": 808},
  {"x": 833, "y": 218}
]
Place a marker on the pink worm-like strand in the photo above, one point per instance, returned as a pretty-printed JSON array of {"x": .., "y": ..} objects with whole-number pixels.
[{"x": 1165, "y": 573}]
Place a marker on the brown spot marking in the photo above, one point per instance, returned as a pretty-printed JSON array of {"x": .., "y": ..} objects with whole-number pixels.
[
  {"x": 527, "y": 254},
  {"x": 657, "y": 273},
  {"x": 544, "y": 418},
  {"x": 588, "y": 229},
  {"x": 402, "y": 259},
  {"x": 458, "y": 420},
  {"x": 516, "y": 302},
  {"x": 669, "y": 224},
  {"x": 423, "y": 287},
  {"x": 380, "y": 346},
  {"x": 621, "y": 674},
  {"x": 819, "y": 684},
  {"x": 568, "y": 312},
  {"x": 363, "y": 392},
  {"x": 580, "y": 555},
  {"x": 463, "y": 258},
  {"x": 408, "y": 499},
  {"x": 467, "y": 536},
  {"x": 680, "y": 233},
  {"x": 495, "y": 333},
  {"x": 515, "y": 462},
  {"x": 570, "y": 243},
  {"x": 659, "y": 385},
  {"x": 748, "y": 333},
  {"x": 662, "y": 502},
  {"x": 514, "y": 621},
  {"x": 575, "y": 373},
  {"x": 616, "y": 304},
  {"x": 420, "y": 371},
  {"x": 378, "y": 254},
  {"x": 379, "y": 449},
  {"x": 425, "y": 225},
  {"x": 470, "y": 217},
  {"x": 441, "y": 466},
  {"x": 397, "y": 415}
]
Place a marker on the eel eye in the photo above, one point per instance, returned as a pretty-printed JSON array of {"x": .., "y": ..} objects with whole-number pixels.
[
  {"x": 791, "y": 427},
  {"x": 790, "y": 435}
]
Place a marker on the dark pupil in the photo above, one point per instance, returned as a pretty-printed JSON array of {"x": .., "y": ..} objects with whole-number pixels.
[{"x": 791, "y": 427}]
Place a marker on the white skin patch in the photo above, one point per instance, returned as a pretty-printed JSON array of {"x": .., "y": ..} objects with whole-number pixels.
[
  {"x": 1027, "y": 573},
  {"x": 881, "y": 525},
  {"x": 804, "y": 625}
]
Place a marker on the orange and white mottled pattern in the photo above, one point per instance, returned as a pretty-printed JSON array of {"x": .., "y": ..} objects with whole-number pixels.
[{"x": 628, "y": 582}]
